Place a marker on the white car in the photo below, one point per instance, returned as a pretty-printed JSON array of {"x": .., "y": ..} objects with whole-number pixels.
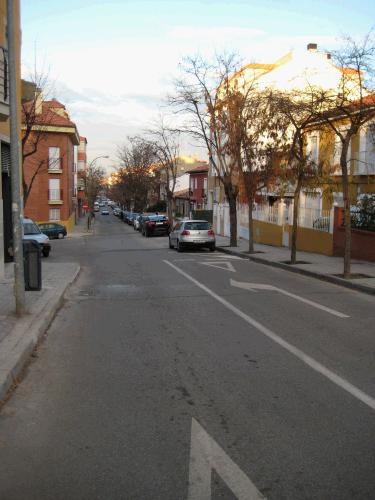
[
  {"x": 192, "y": 234},
  {"x": 31, "y": 231}
]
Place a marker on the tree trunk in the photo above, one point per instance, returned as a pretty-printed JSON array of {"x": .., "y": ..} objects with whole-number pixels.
[
  {"x": 233, "y": 220},
  {"x": 251, "y": 223},
  {"x": 293, "y": 246},
  {"x": 170, "y": 206},
  {"x": 347, "y": 220}
]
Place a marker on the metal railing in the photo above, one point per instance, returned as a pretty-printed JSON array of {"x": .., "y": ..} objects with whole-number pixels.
[
  {"x": 4, "y": 80},
  {"x": 54, "y": 163}
]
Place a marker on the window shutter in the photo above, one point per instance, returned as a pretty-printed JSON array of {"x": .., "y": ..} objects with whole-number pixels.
[{"x": 5, "y": 158}]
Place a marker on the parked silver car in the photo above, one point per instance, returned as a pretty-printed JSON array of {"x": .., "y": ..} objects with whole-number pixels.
[{"x": 193, "y": 234}]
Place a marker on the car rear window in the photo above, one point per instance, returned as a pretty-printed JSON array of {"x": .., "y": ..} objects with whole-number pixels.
[
  {"x": 157, "y": 217},
  {"x": 197, "y": 226}
]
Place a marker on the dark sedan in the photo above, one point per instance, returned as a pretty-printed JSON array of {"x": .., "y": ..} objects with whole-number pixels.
[
  {"x": 53, "y": 230},
  {"x": 155, "y": 224}
]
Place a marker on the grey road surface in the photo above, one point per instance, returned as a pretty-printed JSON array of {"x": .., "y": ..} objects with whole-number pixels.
[{"x": 163, "y": 366}]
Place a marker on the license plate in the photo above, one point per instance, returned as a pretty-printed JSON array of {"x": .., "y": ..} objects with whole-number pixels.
[
  {"x": 199, "y": 241},
  {"x": 159, "y": 223}
]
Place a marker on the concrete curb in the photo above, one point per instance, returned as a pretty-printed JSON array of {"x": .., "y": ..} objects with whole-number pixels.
[
  {"x": 323, "y": 277},
  {"x": 18, "y": 346}
]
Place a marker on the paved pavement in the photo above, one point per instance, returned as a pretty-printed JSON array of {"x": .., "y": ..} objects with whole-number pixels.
[
  {"x": 193, "y": 376},
  {"x": 311, "y": 264},
  {"x": 18, "y": 337}
]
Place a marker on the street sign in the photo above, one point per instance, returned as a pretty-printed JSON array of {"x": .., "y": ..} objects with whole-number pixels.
[{"x": 85, "y": 206}]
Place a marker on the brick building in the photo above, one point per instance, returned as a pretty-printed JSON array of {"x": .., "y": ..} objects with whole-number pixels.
[{"x": 51, "y": 170}]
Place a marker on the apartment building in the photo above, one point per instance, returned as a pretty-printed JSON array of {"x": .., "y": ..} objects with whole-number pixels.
[{"x": 51, "y": 171}]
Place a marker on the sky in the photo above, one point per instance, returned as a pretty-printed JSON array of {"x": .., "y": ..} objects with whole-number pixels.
[{"x": 112, "y": 62}]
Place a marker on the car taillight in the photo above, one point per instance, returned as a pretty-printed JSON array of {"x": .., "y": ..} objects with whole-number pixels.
[
  {"x": 150, "y": 223},
  {"x": 185, "y": 233},
  {"x": 166, "y": 221},
  {"x": 210, "y": 232}
]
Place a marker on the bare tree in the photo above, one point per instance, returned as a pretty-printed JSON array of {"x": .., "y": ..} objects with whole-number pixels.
[
  {"x": 255, "y": 138},
  {"x": 303, "y": 167},
  {"x": 135, "y": 176},
  {"x": 198, "y": 97},
  {"x": 347, "y": 108},
  {"x": 166, "y": 150},
  {"x": 93, "y": 177},
  {"x": 34, "y": 126}
]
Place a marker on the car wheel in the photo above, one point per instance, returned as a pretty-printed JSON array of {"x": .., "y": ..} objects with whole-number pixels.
[
  {"x": 45, "y": 252},
  {"x": 60, "y": 236},
  {"x": 179, "y": 247},
  {"x": 212, "y": 248},
  {"x": 170, "y": 243}
]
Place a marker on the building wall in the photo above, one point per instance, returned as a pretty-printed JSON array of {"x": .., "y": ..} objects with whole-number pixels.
[
  {"x": 38, "y": 205},
  {"x": 5, "y": 193},
  {"x": 197, "y": 188}
]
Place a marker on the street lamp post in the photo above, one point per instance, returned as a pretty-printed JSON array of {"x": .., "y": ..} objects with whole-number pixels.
[{"x": 89, "y": 200}]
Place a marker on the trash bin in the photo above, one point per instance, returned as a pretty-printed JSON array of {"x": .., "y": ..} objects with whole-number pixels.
[{"x": 32, "y": 261}]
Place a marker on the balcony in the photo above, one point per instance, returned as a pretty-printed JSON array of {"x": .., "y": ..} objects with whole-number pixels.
[
  {"x": 55, "y": 196},
  {"x": 4, "y": 85},
  {"x": 55, "y": 165}
]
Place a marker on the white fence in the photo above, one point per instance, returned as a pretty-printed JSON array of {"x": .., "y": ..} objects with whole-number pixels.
[
  {"x": 281, "y": 214},
  {"x": 315, "y": 219}
]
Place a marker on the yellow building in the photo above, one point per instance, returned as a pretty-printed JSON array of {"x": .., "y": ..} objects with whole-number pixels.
[
  {"x": 299, "y": 70},
  {"x": 5, "y": 187}
]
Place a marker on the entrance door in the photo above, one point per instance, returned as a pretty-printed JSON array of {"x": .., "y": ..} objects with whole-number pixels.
[{"x": 7, "y": 200}]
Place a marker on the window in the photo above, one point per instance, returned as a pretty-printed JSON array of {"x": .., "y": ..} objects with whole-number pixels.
[
  {"x": 313, "y": 148},
  {"x": 54, "y": 214},
  {"x": 205, "y": 183},
  {"x": 54, "y": 159},
  {"x": 54, "y": 189},
  {"x": 197, "y": 226}
]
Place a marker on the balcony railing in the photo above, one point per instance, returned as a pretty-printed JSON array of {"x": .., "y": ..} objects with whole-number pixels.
[
  {"x": 55, "y": 195},
  {"x": 55, "y": 164},
  {"x": 4, "y": 84}
]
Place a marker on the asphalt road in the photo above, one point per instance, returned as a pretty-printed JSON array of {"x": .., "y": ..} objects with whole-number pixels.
[{"x": 165, "y": 377}]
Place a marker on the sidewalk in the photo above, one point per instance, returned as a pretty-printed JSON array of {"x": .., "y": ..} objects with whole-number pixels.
[
  {"x": 310, "y": 264},
  {"x": 18, "y": 336}
]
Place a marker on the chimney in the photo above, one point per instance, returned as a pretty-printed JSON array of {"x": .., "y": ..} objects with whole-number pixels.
[
  {"x": 312, "y": 47},
  {"x": 38, "y": 102},
  {"x": 329, "y": 56}
]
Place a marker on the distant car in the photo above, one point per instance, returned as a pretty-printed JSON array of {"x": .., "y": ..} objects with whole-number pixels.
[
  {"x": 104, "y": 211},
  {"x": 155, "y": 224},
  {"x": 116, "y": 211},
  {"x": 53, "y": 230},
  {"x": 193, "y": 234},
  {"x": 141, "y": 220},
  {"x": 96, "y": 208},
  {"x": 31, "y": 231}
]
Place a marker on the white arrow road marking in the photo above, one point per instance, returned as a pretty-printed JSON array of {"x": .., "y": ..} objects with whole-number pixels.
[
  {"x": 253, "y": 287},
  {"x": 305, "y": 358},
  {"x": 227, "y": 266},
  {"x": 206, "y": 455},
  {"x": 223, "y": 256}
]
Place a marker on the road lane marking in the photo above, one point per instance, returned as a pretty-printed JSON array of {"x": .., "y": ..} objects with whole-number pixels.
[
  {"x": 226, "y": 266},
  {"x": 305, "y": 358},
  {"x": 222, "y": 256},
  {"x": 253, "y": 287},
  {"x": 206, "y": 455}
]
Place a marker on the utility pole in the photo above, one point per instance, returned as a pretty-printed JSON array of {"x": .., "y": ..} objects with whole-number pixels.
[{"x": 19, "y": 280}]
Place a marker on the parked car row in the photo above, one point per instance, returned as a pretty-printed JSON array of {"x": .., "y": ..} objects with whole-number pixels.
[{"x": 183, "y": 235}]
